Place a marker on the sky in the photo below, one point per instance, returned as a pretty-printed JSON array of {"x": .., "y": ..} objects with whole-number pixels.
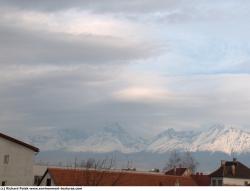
[{"x": 148, "y": 65}]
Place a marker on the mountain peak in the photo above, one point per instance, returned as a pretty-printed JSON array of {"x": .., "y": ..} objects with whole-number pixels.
[
  {"x": 215, "y": 138},
  {"x": 114, "y": 129},
  {"x": 114, "y": 137}
]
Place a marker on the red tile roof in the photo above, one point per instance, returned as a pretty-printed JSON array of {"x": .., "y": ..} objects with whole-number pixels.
[
  {"x": 202, "y": 180},
  {"x": 83, "y": 177},
  {"x": 19, "y": 142},
  {"x": 176, "y": 171}
]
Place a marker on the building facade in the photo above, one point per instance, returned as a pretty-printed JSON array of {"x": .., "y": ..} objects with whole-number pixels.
[
  {"x": 231, "y": 173},
  {"x": 16, "y": 162}
]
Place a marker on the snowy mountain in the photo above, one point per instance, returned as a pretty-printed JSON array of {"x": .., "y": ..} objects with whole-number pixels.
[
  {"x": 217, "y": 138},
  {"x": 224, "y": 139},
  {"x": 54, "y": 139},
  {"x": 170, "y": 140},
  {"x": 110, "y": 139}
]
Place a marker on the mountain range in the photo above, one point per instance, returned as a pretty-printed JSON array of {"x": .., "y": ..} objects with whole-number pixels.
[{"x": 217, "y": 138}]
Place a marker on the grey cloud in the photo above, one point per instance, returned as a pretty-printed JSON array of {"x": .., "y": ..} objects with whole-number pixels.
[
  {"x": 81, "y": 99},
  {"x": 22, "y": 46},
  {"x": 56, "y": 99},
  {"x": 177, "y": 10},
  {"x": 156, "y": 10},
  {"x": 133, "y": 6}
]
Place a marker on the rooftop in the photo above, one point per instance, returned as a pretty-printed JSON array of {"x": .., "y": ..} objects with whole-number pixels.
[
  {"x": 232, "y": 169},
  {"x": 81, "y": 177},
  {"x": 176, "y": 171},
  {"x": 35, "y": 149}
]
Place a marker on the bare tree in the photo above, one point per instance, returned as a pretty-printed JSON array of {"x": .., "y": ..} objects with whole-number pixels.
[
  {"x": 189, "y": 161},
  {"x": 173, "y": 161},
  {"x": 185, "y": 160},
  {"x": 96, "y": 170},
  {"x": 91, "y": 163}
]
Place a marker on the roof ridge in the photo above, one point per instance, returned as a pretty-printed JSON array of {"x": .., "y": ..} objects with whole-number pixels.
[
  {"x": 64, "y": 176},
  {"x": 35, "y": 149}
]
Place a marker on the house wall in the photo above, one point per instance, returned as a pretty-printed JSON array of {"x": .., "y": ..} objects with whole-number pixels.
[
  {"x": 19, "y": 170},
  {"x": 229, "y": 181},
  {"x": 235, "y": 181},
  {"x": 187, "y": 172},
  {"x": 44, "y": 181},
  {"x": 215, "y": 181},
  {"x": 39, "y": 170}
]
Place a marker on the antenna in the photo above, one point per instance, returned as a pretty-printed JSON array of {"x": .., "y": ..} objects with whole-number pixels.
[
  {"x": 75, "y": 162},
  {"x": 233, "y": 154}
]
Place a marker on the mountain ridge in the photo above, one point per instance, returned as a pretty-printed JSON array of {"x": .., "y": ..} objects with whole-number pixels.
[{"x": 217, "y": 138}]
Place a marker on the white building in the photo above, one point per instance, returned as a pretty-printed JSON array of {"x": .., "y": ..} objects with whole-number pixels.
[
  {"x": 231, "y": 173},
  {"x": 39, "y": 170},
  {"x": 16, "y": 162}
]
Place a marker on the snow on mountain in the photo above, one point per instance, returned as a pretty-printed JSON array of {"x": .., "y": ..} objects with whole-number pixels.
[
  {"x": 115, "y": 138},
  {"x": 216, "y": 138},
  {"x": 170, "y": 140},
  {"x": 110, "y": 139},
  {"x": 224, "y": 139},
  {"x": 54, "y": 139}
]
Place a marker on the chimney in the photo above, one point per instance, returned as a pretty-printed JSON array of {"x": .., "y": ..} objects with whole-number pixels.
[
  {"x": 223, "y": 162},
  {"x": 174, "y": 170},
  {"x": 233, "y": 170},
  {"x": 223, "y": 165}
]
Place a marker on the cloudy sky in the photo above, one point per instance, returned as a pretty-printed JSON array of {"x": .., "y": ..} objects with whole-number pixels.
[{"x": 146, "y": 64}]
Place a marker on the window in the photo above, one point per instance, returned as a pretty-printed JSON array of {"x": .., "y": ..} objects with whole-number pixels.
[
  {"x": 219, "y": 182},
  {"x": 4, "y": 183},
  {"x": 48, "y": 182},
  {"x": 37, "y": 180},
  {"x": 214, "y": 182},
  {"x": 6, "y": 159}
]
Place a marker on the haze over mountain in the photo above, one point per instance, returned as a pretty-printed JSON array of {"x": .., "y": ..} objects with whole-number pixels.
[{"x": 217, "y": 138}]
